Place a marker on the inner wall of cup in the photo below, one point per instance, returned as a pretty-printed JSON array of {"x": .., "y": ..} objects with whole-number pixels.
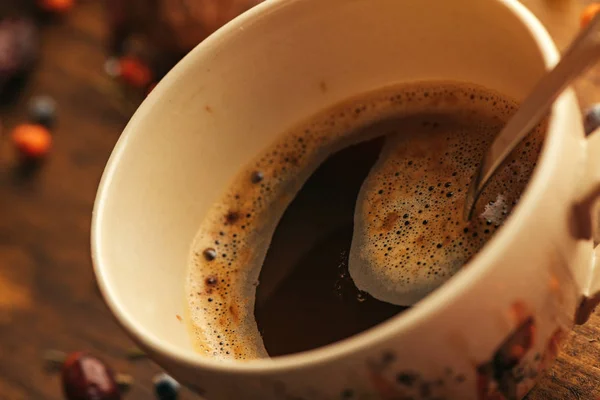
[{"x": 251, "y": 82}]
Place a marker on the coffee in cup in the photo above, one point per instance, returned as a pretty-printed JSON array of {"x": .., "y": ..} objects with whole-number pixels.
[{"x": 353, "y": 215}]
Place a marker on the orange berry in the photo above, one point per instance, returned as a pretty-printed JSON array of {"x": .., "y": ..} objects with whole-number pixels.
[
  {"x": 56, "y": 6},
  {"x": 589, "y": 13},
  {"x": 134, "y": 72},
  {"x": 31, "y": 140}
]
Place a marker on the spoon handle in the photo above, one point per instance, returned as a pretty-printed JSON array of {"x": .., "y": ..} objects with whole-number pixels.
[{"x": 583, "y": 52}]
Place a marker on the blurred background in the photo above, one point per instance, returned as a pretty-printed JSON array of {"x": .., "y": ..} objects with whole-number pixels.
[{"x": 72, "y": 72}]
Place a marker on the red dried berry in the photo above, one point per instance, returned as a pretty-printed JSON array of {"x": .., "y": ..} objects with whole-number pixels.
[
  {"x": 85, "y": 377},
  {"x": 56, "y": 6},
  {"x": 33, "y": 141},
  {"x": 134, "y": 72}
]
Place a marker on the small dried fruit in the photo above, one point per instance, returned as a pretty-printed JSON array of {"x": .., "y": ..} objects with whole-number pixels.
[
  {"x": 32, "y": 140},
  {"x": 134, "y": 72},
  {"x": 589, "y": 13},
  {"x": 56, "y": 6},
  {"x": 42, "y": 111},
  {"x": 85, "y": 377},
  {"x": 165, "y": 387}
]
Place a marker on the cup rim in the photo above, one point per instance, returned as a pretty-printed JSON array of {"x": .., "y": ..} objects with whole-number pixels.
[{"x": 395, "y": 326}]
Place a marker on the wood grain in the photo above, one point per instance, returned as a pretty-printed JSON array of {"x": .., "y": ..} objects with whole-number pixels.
[{"x": 48, "y": 297}]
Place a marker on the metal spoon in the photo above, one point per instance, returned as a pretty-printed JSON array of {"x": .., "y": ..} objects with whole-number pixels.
[{"x": 580, "y": 55}]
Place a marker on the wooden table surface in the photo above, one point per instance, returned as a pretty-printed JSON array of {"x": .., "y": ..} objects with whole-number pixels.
[{"x": 48, "y": 298}]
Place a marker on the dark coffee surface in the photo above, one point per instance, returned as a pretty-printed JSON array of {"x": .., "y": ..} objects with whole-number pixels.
[{"x": 325, "y": 304}]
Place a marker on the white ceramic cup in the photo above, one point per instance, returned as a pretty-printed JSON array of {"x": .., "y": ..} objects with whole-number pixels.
[{"x": 487, "y": 332}]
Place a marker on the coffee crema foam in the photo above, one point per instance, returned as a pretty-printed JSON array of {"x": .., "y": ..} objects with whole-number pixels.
[
  {"x": 409, "y": 232},
  {"x": 409, "y": 236}
]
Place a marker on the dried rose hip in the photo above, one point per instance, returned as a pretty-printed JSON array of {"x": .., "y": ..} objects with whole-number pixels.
[
  {"x": 135, "y": 72},
  {"x": 87, "y": 378},
  {"x": 56, "y": 6},
  {"x": 33, "y": 141}
]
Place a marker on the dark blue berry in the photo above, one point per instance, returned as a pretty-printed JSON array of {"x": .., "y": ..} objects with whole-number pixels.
[
  {"x": 42, "y": 110},
  {"x": 165, "y": 387}
]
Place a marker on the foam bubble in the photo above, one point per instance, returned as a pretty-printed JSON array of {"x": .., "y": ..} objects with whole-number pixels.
[
  {"x": 409, "y": 233},
  {"x": 232, "y": 241},
  {"x": 496, "y": 211}
]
